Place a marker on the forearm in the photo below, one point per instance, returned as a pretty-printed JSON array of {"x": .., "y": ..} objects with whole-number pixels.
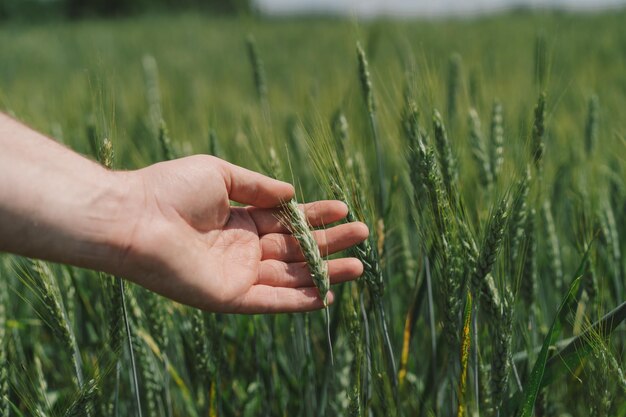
[{"x": 57, "y": 205}]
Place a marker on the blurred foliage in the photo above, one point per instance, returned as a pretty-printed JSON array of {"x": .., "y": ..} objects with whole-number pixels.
[{"x": 29, "y": 10}]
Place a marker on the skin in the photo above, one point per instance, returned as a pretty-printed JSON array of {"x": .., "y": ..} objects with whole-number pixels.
[{"x": 169, "y": 227}]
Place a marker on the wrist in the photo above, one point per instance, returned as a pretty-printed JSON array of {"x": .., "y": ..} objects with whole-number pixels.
[
  {"x": 142, "y": 243},
  {"x": 122, "y": 212}
]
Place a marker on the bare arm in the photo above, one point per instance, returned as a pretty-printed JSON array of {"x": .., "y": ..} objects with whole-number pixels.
[
  {"x": 168, "y": 227},
  {"x": 57, "y": 205}
]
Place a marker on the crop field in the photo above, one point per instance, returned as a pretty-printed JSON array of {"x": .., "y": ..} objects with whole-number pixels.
[{"x": 486, "y": 155}]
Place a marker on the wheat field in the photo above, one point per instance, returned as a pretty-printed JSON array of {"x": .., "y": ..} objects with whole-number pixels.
[{"x": 486, "y": 155}]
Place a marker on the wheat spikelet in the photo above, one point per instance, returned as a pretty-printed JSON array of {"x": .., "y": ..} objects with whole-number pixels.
[
  {"x": 206, "y": 343},
  {"x": 528, "y": 285},
  {"x": 299, "y": 227},
  {"x": 447, "y": 162},
  {"x": 115, "y": 313},
  {"x": 214, "y": 143},
  {"x": 497, "y": 139},
  {"x": 198, "y": 328},
  {"x": 46, "y": 286},
  {"x": 501, "y": 355},
  {"x": 539, "y": 131},
  {"x": 614, "y": 366},
  {"x": 423, "y": 169},
  {"x": 482, "y": 281},
  {"x": 150, "y": 375},
  {"x": 590, "y": 278},
  {"x": 139, "y": 344},
  {"x": 519, "y": 214},
  {"x": 370, "y": 102},
  {"x": 258, "y": 70},
  {"x": 153, "y": 92},
  {"x": 165, "y": 141},
  {"x": 451, "y": 289},
  {"x": 613, "y": 242},
  {"x": 40, "y": 384},
  {"x": 600, "y": 390},
  {"x": 157, "y": 319},
  {"x": 83, "y": 403},
  {"x": 479, "y": 150},
  {"x": 340, "y": 133},
  {"x": 68, "y": 289},
  {"x": 365, "y": 79},
  {"x": 106, "y": 154},
  {"x": 554, "y": 247},
  {"x": 484, "y": 386},
  {"x": 365, "y": 251}
]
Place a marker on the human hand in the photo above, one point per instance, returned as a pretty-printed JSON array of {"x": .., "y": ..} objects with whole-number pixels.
[{"x": 189, "y": 244}]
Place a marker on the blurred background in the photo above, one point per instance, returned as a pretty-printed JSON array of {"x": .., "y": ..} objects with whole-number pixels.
[{"x": 31, "y": 9}]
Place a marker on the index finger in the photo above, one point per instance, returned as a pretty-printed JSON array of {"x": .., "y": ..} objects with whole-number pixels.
[
  {"x": 318, "y": 213},
  {"x": 249, "y": 187}
]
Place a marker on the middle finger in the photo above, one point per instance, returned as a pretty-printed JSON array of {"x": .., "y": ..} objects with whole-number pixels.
[{"x": 285, "y": 247}]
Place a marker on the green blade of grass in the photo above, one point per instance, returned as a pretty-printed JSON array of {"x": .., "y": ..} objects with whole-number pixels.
[
  {"x": 526, "y": 399},
  {"x": 536, "y": 376}
]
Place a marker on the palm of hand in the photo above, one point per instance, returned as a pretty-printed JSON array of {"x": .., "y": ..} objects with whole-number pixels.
[{"x": 234, "y": 259}]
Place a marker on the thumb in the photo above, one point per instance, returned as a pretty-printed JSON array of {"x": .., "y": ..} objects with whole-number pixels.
[{"x": 249, "y": 187}]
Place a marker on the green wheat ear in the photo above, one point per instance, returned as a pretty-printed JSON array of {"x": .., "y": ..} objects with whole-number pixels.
[
  {"x": 539, "y": 131},
  {"x": 294, "y": 219}
]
